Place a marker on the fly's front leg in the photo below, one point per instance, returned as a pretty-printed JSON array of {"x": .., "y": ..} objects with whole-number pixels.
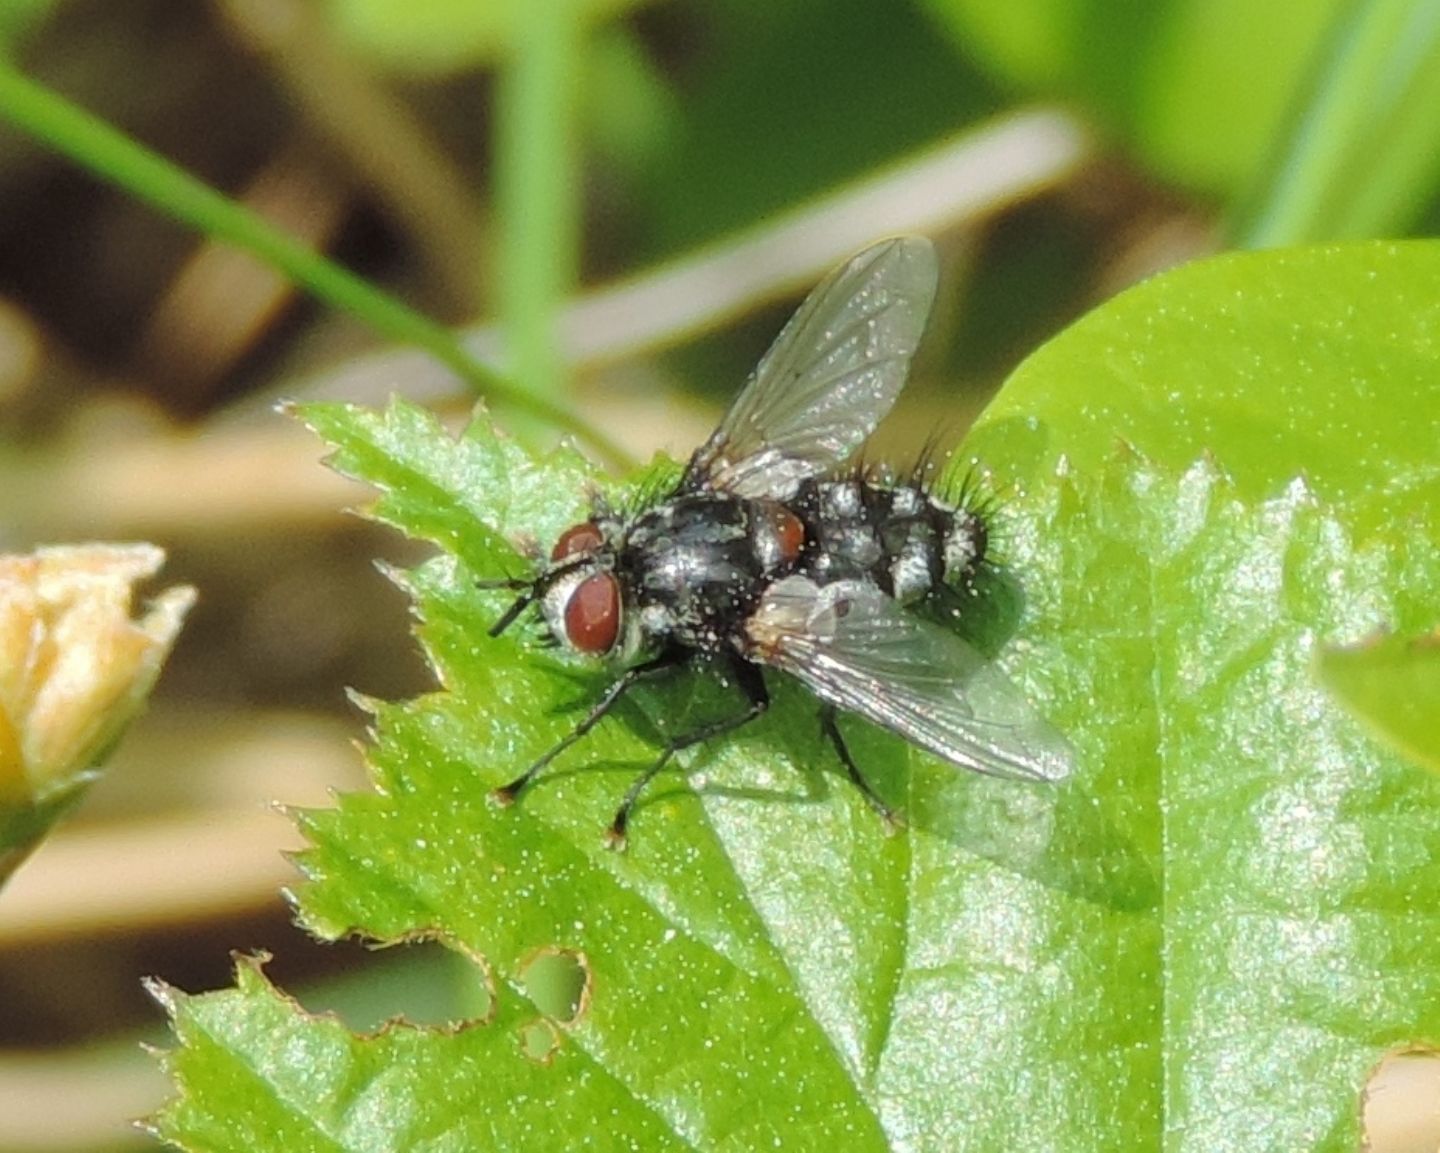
[
  {"x": 831, "y": 729},
  {"x": 752, "y": 683},
  {"x": 506, "y": 794}
]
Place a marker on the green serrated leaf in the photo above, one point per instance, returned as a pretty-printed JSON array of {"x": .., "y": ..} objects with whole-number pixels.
[
  {"x": 1206, "y": 939},
  {"x": 1317, "y": 363},
  {"x": 258, "y": 1073}
]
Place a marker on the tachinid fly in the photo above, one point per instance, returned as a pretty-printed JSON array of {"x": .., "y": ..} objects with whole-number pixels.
[{"x": 767, "y": 554}]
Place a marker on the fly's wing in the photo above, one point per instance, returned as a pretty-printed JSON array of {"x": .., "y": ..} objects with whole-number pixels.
[
  {"x": 854, "y": 647},
  {"x": 831, "y": 375}
]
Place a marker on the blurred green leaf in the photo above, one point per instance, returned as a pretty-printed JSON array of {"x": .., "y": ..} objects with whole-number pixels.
[
  {"x": 630, "y": 114},
  {"x": 20, "y": 17},
  {"x": 110, "y": 155},
  {"x": 1362, "y": 157},
  {"x": 444, "y": 36},
  {"x": 783, "y": 102},
  {"x": 1199, "y": 88},
  {"x": 1393, "y": 685},
  {"x": 1207, "y": 938}
]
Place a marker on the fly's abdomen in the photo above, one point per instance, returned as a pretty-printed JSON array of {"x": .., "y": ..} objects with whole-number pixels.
[{"x": 899, "y": 537}]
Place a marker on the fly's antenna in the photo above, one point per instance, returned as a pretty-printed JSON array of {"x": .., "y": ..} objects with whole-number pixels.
[{"x": 533, "y": 590}]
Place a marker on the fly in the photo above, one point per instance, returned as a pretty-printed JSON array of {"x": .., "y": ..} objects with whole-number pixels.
[{"x": 768, "y": 554}]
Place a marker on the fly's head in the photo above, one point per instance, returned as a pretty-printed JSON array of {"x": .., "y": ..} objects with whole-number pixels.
[
  {"x": 585, "y": 604},
  {"x": 581, "y": 596}
]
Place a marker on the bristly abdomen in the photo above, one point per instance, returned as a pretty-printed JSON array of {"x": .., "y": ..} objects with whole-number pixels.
[{"x": 905, "y": 539}]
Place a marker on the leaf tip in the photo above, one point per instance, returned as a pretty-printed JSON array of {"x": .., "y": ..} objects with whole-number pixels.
[{"x": 164, "y": 994}]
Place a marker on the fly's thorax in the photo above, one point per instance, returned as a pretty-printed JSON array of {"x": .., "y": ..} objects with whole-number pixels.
[{"x": 698, "y": 563}]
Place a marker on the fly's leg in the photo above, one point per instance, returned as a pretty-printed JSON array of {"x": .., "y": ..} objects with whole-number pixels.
[
  {"x": 757, "y": 696},
  {"x": 832, "y": 730},
  {"x": 506, "y": 794}
]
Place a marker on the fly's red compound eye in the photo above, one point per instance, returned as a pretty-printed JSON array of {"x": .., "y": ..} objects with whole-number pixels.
[
  {"x": 592, "y": 614},
  {"x": 583, "y": 537}
]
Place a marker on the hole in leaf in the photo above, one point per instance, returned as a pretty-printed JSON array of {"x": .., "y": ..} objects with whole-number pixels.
[
  {"x": 1400, "y": 1106},
  {"x": 539, "y": 1040},
  {"x": 420, "y": 983},
  {"x": 558, "y": 982}
]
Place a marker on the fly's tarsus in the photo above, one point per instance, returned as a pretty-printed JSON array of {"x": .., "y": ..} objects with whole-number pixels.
[
  {"x": 751, "y": 682},
  {"x": 831, "y": 729},
  {"x": 505, "y": 795}
]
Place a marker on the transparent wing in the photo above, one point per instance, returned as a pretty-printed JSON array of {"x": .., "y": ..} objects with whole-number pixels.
[
  {"x": 854, "y": 647},
  {"x": 831, "y": 375}
]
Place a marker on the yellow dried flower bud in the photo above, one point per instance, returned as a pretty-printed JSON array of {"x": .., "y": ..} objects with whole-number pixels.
[{"x": 74, "y": 666}]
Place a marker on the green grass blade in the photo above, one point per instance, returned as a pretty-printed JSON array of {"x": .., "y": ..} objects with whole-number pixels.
[
  {"x": 114, "y": 157},
  {"x": 538, "y": 190}
]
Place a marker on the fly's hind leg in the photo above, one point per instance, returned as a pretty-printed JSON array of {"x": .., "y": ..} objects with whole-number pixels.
[
  {"x": 752, "y": 683},
  {"x": 506, "y": 794},
  {"x": 831, "y": 729}
]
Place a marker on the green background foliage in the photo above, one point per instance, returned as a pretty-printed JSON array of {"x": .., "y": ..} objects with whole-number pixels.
[
  {"x": 1212, "y": 933},
  {"x": 1393, "y": 684},
  {"x": 1199, "y": 88}
]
